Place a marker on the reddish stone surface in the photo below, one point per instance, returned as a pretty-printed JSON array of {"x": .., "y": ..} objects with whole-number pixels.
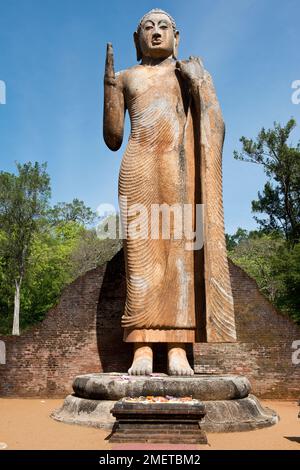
[{"x": 82, "y": 334}]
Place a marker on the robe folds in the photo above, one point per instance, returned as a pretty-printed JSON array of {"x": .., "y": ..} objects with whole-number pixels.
[{"x": 173, "y": 160}]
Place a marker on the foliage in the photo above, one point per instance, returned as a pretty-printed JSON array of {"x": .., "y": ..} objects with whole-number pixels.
[
  {"x": 90, "y": 252},
  {"x": 274, "y": 264},
  {"x": 23, "y": 202},
  {"x": 280, "y": 199},
  {"x": 59, "y": 243},
  {"x": 75, "y": 211},
  {"x": 233, "y": 240}
]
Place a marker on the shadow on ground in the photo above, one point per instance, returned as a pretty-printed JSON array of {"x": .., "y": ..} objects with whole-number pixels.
[{"x": 293, "y": 438}]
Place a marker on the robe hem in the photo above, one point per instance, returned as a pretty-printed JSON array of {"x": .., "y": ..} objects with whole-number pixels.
[{"x": 159, "y": 335}]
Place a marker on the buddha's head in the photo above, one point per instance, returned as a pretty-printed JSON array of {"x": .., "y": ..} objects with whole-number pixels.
[{"x": 156, "y": 36}]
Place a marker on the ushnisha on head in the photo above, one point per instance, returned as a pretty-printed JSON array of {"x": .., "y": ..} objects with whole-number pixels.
[{"x": 156, "y": 36}]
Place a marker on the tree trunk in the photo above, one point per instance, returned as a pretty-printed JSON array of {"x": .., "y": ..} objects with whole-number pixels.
[{"x": 16, "y": 323}]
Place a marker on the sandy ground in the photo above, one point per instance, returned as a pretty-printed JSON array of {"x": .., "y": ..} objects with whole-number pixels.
[{"x": 25, "y": 424}]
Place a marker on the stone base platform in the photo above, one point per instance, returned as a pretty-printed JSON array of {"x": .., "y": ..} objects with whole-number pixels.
[
  {"x": 164, "y": 423},
  {"x": 228, "y": 404}
]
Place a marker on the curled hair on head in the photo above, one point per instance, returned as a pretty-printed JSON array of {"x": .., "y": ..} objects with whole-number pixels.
[
  {"x": 136, "y": 34},
  {"x": 157, "y": 10}
]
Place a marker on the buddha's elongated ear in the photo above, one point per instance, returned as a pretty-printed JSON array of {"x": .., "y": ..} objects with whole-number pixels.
[
  {"x": 137, "y": 46},
  {"x": 176, "y": 44}
]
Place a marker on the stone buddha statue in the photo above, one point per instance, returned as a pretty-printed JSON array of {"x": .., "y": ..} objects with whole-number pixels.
[{"x": 176, "y": 292}]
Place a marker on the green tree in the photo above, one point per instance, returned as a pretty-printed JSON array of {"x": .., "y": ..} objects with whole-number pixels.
[
  {"x": 256, "y": 254},
  {"x": 49, "y": 269},
  {"x": 274, "y": 264},
  {"x": 233, "y": 240},
  {"x": 90, "y": 252},
  {"x": 23, "y": 203},
  {"x": 75, "y": 211},
  {"x": 280, "y": 199},
  {"x": 42, "y": 249},
  {"x": 286, "y": 270},
  {"x": 6, "y": 288}
]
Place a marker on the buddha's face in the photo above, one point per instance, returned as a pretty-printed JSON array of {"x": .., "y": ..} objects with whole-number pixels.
[{"x": 156, "y": 36}]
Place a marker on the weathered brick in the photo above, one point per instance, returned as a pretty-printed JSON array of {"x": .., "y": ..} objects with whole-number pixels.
[{"x": 82, "y": 334}]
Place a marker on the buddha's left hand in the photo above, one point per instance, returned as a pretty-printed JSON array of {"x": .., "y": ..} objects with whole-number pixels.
[{"x": 192, "y": 69}]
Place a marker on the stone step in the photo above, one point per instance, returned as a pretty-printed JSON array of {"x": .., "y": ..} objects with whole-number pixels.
[
  {"x": 158, "y": 439},
  {"x": 159, "y": 431},
  {"x": 158, "y": 426}
]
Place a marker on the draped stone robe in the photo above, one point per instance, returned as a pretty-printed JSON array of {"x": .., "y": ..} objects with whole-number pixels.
[{"x": 173, "y": 157}]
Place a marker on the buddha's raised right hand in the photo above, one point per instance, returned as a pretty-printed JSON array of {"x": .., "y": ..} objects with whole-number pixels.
[
  {"x": 114, "y": 105},
  {"x": 109, "y": 75}
]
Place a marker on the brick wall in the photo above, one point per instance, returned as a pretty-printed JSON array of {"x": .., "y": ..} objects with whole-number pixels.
[{"x": 82, "y": 334}]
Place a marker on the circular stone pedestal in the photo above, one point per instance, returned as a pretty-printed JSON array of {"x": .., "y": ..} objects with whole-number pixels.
[{"x": 229, "y": 407}]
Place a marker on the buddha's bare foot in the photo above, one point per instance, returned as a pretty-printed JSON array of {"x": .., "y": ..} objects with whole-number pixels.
[
  {"x": 142, "y": 361},
  {"x": 177, "y": 360}
]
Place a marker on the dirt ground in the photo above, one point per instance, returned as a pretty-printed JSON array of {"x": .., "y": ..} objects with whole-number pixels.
[{"x": 25, "y": 424}]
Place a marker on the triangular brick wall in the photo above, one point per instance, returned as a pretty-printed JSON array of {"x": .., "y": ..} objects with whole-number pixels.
[{"x": 82, "y": 334}]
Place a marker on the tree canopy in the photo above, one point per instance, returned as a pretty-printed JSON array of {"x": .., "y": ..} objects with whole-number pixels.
[
  {"x": 42, "y": 248},
  {"x": 279, "y": 201},
  {"x": 23, "y": 202},
  {"x": 271, "y": 254}
]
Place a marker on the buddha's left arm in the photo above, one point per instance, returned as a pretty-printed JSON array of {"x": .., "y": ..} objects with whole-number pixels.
[{"x": 207, "y": 104}]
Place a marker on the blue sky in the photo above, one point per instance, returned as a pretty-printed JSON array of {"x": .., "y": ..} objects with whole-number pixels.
[{"x": 52, "y": 55}]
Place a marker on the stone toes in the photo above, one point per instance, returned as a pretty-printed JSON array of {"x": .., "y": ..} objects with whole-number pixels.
[
  {"x": 181, "y": 372},
  {"x": 140, "y": 369},
  {"x": 189, "y": 372}
]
